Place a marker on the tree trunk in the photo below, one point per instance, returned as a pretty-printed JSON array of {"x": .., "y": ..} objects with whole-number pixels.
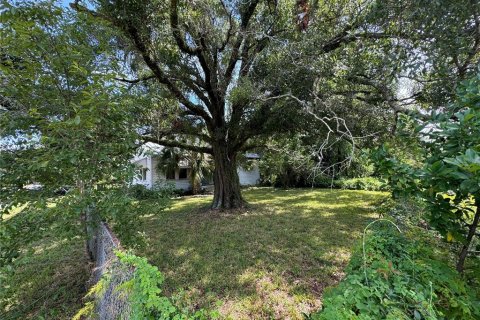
[
  {"x": 471, "y": 233},
  {"x": 227, "y": 193}
]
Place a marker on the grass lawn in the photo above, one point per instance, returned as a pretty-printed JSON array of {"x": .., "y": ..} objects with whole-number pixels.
[
  {"x": 272, "y": 261},
  {"x": 47, "y": 280}
]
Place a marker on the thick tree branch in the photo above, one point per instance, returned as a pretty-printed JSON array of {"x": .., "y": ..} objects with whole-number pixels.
[
  {"x": 157, "y": 72},
  {"x": 183, "y": 126},
  {"x": 79, "y": 8},
  {"x": 177, "y": 144},
  {"x": 346, "y": 38},
  {"x": 177, "y": 33},
  {"x": 161, "y": 76},
  {"x": 241, "y": 35},
  {"x": 386, "y": 94},
  {"x": 195, "y": 86},
  {"x": 230, "y": 28},
  {"x": 198, "y": 51},
  {"x": 462, "y": 69}
]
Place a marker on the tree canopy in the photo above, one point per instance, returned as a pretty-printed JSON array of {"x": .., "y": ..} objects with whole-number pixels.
[{"x": 222, "y": 77}]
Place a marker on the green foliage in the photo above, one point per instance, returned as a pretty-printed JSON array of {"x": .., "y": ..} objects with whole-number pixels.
[
  {"x": 19, "y": 231},
  {"x": 140, "y": 192},
  {"x": 144, "y": 293},
  {"x": 287, "y": 163},
  {"x": 407, "y": 211},
  {"x": 31, "y": 222},
  {"x": 293, "y": 161},
  {"x": 400, "y": 277},
  {"x": 403, "y": 179},
  {"x": 43, "y": 267},
  {"x": 63, "y": 121},
  {"x": 361, "y": 166},
  {"x": 449, "y": 180},
  {"x": 366, "y": 183},
  {"x": 145, "y": 290},
  {"x": 123, "y": 212},
  {"x": 159, "y": 191}
]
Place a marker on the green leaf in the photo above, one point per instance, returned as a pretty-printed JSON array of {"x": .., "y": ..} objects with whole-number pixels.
[
  {"x": 417, "y": 315},
  {"x": 459, "y": 175}
]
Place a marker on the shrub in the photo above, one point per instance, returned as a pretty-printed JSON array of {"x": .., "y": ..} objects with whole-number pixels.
[
  {"x": 399, "y": 277},
  {"x": 159, "y": 190},
  {"x": 407, "y": 211},
  {"x": 139, "y": 192},
  {"x": 366, "y": 183},
  {"x": 448, "y": 177},
  {"x": 324, "y": 181}
]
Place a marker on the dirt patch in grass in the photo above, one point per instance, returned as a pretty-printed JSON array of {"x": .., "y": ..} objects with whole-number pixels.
[{"x": 271, "y": 260}]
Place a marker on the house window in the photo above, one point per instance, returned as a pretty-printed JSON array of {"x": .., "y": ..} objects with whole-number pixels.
[
  {"x": 143, "y": 174},
  {"x": 170, "y": 174},
  {"x": 183, "y": 173}
]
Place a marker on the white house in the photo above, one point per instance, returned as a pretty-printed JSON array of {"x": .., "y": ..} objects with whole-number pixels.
[{"x": 147, "y": 162}]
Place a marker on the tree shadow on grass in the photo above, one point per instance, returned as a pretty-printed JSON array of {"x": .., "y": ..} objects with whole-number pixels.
[{"x": 287, "y": 246}]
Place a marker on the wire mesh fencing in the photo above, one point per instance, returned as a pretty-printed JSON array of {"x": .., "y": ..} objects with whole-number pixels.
[{"x": 111, "y": 302}]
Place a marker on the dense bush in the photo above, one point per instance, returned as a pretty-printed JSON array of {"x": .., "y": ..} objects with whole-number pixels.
[
  {"x": 296, "y": 169},
  {"x": 140, "y": 192},
  {"x": 399, "y": 277},
  {"x": 122, "y": 210},
  {"x": 407, "y": 211},
  {"x": 448, "y": 177},
  {"x": 366, "y": 183}
]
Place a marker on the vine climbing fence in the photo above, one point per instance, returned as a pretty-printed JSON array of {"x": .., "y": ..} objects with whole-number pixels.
[{"x": 111, "y": 301}]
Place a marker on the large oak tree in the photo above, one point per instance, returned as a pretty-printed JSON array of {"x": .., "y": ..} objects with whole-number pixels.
[
  {"x": 210, "y": 56},
  {"x": 231, "y": 66}
]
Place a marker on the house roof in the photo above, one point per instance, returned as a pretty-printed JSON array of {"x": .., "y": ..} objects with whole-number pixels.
[
  {"x": 146, "y": 150},
  {"x": 151, "y": 148}
]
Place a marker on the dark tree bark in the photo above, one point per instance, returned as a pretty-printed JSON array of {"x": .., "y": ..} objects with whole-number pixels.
[
  {"x": 471, "y": 233},
  {"x": 227, "y": 193}
]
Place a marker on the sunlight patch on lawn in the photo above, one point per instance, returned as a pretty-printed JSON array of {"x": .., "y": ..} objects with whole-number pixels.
[{"x": 272, "y": 260}]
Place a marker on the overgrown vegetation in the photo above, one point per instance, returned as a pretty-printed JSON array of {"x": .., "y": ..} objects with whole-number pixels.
[
  {"x": 142, "y": 292},
  {"x": 41, "y": 277},
  {"x": 312, "y": 85},
  {"x": 448, "y": 180},
  {"x": 293, "y": 162},
  {"x": 366, "y": 183},
  {"x": 401, "y": 276},
  {"x": 160, "y": 192}
]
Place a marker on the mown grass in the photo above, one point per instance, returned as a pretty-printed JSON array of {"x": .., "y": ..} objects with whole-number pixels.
[
  {"x": 271, "y": 261},
  {"x": 47, "y": 280}
]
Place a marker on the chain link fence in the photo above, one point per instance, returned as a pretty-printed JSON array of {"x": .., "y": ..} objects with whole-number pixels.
[{"x": 112, "y": 301}]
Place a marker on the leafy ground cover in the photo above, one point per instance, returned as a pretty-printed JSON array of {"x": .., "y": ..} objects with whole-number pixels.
[
  {"x": 401, "y": 274},
  {"x": 272, "y": 260},
  {"x": 47, "y": 278}
]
